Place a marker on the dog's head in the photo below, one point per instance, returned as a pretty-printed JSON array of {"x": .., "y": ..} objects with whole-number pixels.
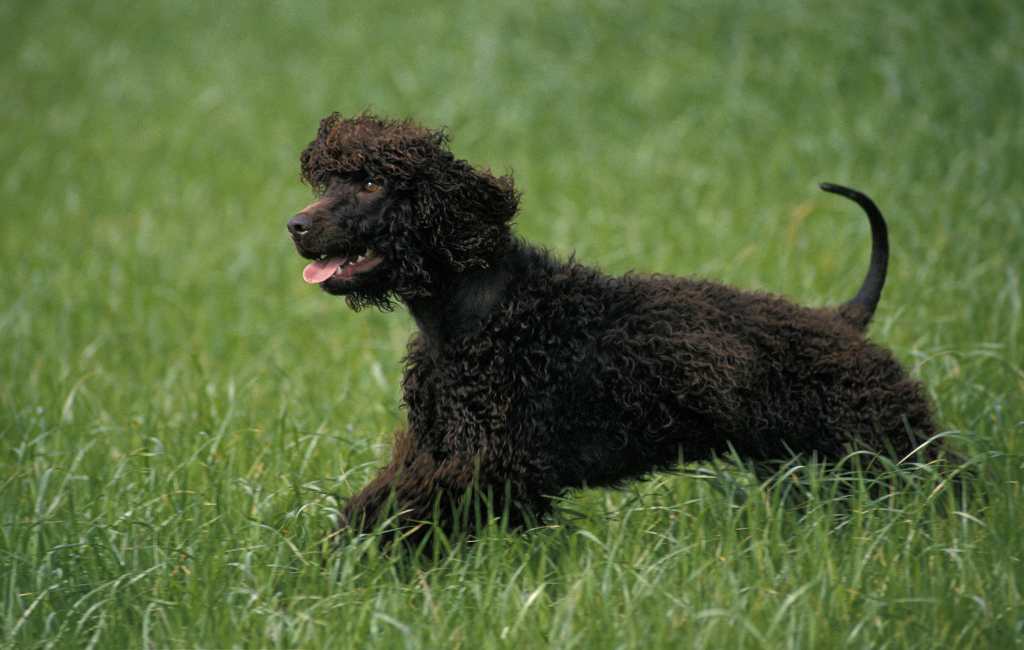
[{"x": 396, "y": 212}]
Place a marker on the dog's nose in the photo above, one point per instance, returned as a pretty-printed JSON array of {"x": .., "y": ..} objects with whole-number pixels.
[{"x": 299, "y": 225}]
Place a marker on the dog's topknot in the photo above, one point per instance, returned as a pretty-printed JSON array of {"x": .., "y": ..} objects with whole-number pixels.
[{"x": 373, "y": 146}]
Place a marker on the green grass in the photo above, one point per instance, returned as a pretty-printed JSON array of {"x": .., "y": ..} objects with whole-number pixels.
[{"x": 177, "y": 407}]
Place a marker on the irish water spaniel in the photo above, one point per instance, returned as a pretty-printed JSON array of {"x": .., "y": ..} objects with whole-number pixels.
[{"x": 531, "y": 376}]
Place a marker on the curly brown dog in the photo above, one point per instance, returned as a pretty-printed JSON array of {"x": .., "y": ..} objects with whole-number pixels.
[{"x": 531, "y": 376}]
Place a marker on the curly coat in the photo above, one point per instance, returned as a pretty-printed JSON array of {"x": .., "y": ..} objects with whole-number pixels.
[{"x": 531, "y": 376}]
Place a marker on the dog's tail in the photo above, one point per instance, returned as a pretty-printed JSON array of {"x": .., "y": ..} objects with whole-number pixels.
[{"x": 859, "y": 310}]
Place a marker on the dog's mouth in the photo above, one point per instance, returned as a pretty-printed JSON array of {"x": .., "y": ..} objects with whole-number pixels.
[{"x": 340, "y": 267}]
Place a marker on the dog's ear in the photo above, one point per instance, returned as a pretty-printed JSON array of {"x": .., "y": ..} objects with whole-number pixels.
[{"x": 466, "y": 212}]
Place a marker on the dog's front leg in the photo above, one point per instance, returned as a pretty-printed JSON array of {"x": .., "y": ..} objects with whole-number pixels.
[{"x": 412, "y": 490}]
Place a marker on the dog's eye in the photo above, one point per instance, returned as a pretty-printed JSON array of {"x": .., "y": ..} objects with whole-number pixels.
[{"x": 370, "y": 186}]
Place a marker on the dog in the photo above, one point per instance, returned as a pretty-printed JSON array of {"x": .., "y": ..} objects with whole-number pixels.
[{"x": 530, "y": 376}]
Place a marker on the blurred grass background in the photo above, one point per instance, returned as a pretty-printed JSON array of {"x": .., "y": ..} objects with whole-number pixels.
[{"x": 176, "y": 404}]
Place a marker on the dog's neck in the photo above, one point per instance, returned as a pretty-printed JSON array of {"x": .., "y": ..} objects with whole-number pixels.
[{"x": 461, "y": 301}]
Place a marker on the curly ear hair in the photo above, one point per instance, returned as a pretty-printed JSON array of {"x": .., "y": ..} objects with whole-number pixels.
[
  {"x": 457, "y": 210},
  {"x": 464, "y": 212}
]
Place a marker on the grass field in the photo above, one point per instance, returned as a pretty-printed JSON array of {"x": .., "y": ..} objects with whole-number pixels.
[{"x": 177, "y": 408}]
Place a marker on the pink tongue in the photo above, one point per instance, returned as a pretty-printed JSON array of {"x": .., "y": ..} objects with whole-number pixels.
[{"x": 317, "y": 272}]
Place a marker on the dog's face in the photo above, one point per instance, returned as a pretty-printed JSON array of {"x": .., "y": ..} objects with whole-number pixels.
[
  {"x": 396, "y": 212},
  {"x": 345, "y": 233}
]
